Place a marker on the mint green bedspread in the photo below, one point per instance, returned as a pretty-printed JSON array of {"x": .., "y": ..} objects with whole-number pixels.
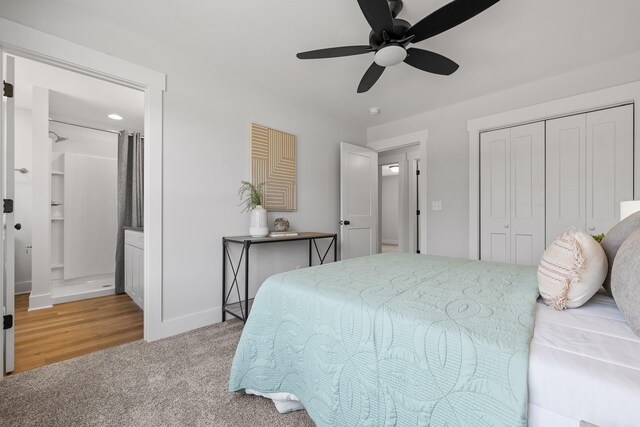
[{"x": 394, "y": 340}]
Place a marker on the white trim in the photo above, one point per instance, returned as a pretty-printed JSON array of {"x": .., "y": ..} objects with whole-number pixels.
[
  {"x": 603, "y": 98},
  {"x": 191, "y": 321},
  {"x": 401, "y": 141},
  {"x": 43, "y": 47},
  {"x": 38, "y": 302},
  {"x": 33, "y": 44},
  {"x": 23, "y": 287}
]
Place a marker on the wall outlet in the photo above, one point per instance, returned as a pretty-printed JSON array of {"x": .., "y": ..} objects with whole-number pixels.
[{"x": 436, "y": 206}]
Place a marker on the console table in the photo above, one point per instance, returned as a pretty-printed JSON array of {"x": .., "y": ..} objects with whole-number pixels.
[{"x": 241, "y": 307}]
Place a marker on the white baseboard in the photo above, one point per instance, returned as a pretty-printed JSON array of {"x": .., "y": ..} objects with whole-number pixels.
[
  {"x": 23, "y": 287},
  {"x": 188, "y": 323},
  {"x": 38, "y": 302},
  {"x": 389, "y": 242}
]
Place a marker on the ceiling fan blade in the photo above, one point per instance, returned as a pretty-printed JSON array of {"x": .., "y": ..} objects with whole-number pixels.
[
  {"x": 447, "y": 17},
  {"x": 378, "y": 15},
  {"x": 370, "y": 77},
  {"x": 430, "y": 62},
  {"x": 335, "y": 52}
]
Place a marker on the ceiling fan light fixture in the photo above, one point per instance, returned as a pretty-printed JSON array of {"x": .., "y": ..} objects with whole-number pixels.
[{"x": 390, "y": 55}]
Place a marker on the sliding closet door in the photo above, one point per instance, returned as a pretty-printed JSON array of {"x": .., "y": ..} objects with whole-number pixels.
[
  {"x": 527, "y": 194},
  {"x": 609, "y": 170},
  {"x": 566, "y": 175},
  {"x": 495, "y": 196}
]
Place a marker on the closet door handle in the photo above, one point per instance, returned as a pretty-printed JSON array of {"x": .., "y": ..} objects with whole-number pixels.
[
  {"x": 346, "y": 222},
  {"x": 506, "y": 226}
]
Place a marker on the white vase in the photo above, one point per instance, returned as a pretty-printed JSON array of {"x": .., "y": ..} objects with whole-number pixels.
[{"x": 258, "y": 226}]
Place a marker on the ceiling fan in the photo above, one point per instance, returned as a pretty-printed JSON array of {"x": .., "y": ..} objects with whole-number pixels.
[{"x": 390, "y": 37}]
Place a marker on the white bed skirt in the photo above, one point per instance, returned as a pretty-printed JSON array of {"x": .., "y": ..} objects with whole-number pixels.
[{"x": 285, "y": 402}]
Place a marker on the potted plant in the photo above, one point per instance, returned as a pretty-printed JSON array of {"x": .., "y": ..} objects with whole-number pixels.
[{"x": 252, "y": 197}]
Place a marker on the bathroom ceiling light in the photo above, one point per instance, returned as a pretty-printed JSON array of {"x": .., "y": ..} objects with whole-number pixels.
[{"x": 115, "y": 116}]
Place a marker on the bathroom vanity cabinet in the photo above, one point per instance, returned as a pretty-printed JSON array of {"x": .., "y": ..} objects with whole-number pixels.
[{"x": 134, "y": 265}]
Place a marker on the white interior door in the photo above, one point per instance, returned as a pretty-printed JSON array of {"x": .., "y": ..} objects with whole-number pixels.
[
  {"x": 8, "y": 243},
  {"x": 609, "y": 170},
  {"x": 358, "y": 201},
  {"x": 495, "y": 196},
  {"x": 565, "y": 170},
  {"x": 527, "y": 194}
]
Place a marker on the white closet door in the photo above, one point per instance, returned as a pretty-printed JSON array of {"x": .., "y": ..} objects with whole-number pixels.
[
  {"x": 609, "y": 170},
  {"x": 527, "y": 194},
  {"x": 566, "y": 176},
  {"x": 495, "y": 196}
]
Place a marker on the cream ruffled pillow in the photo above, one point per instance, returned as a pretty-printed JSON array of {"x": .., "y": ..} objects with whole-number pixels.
[{"x": 572, "y": 270}]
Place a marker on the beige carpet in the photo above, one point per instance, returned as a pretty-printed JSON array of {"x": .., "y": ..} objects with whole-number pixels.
[{"x": 179, "y": 381}]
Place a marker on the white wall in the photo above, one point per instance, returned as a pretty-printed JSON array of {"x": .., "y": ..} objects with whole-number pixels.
[
  {"x": 23, "y": 201},
  {"x": 448, "y": 145},
  {"x": 84, "y": 141},
  {"x": 207, "y": 112},
  {"x": 389, "y": 212},
  {"x": 40, "y": 296}
]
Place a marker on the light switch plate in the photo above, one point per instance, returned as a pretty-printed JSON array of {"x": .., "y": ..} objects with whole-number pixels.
[{"x": 436, "y": 206}]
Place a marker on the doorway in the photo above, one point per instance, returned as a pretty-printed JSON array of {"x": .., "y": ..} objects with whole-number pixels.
[
  {"x": 71, "y": 133},
  {"x": 399, "y": 200}
]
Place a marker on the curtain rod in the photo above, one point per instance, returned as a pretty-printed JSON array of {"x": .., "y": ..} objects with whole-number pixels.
[{"x": 87, "y": 127}]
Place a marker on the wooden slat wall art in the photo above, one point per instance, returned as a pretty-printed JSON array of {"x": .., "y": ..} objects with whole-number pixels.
[{"x": 273, "y": 162}]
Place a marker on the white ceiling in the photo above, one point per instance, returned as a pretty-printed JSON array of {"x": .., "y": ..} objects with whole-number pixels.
[
  {"x": 80, "y": 99},
  {"x": 512, "y": 43}
]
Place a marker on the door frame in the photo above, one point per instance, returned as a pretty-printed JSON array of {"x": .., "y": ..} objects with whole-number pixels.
[
  {"x": 402, "y": 202},
  {"x": 26, "y": 42},
  {"x": 604, "y": 98},
  {"x": 406, "y": 177},
  {"x": 420, "y": 139}
]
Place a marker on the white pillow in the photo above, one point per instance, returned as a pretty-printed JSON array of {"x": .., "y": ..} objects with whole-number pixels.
[{"x": 572, "y": 270}]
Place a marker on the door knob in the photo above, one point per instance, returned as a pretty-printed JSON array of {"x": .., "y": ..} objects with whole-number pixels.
[
  {"x": 345, "y": 222},
  {"x": 591, "y": 228},
  {"x": 506, "y": 226},
  {"x": 18, "y": 226}
]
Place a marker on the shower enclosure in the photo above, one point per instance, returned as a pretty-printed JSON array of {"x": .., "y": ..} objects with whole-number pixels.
[
  {"x": 83, "y": 225},
  {"x": 73, "y": 182}
]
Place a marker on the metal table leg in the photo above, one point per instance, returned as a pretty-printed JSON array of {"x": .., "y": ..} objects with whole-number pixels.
[
  {"x": 247, "y": 245},
  {"x": 224, "y": 277}
]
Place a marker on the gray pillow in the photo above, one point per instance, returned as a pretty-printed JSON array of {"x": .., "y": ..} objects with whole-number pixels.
[
  {"x": 615, "y": 238},
  {"x": 625, "y": 280}
]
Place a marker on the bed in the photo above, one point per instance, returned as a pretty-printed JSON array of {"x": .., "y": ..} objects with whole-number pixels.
[
  {"x": 584, "y": 365},
  {"x": 401, "y": 339}
]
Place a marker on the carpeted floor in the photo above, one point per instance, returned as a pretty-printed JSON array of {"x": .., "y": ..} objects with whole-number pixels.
[{"x": 179, "y": 381}]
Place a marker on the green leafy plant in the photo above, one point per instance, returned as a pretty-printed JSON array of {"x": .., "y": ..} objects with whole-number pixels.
[
  {"x": 599, "y": 237},
  {"x": 250, "y": 194}
]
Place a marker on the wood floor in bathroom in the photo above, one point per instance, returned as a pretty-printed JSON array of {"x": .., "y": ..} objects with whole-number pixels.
[{"x": 72, "y": 329}]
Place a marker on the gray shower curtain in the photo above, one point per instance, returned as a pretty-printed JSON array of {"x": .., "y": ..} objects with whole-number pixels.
[{"x": 130, "y": 194}]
